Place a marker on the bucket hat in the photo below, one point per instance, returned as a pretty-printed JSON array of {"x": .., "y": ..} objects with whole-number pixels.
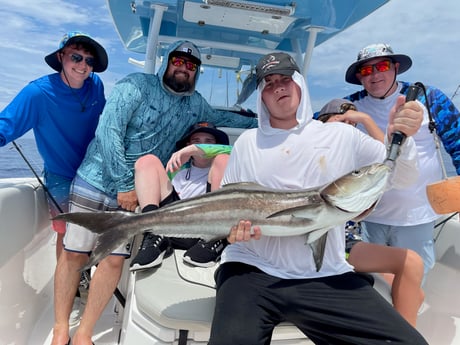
[
  {"x": 101, "y": 60},
  {"x": 374, "y": 51}
]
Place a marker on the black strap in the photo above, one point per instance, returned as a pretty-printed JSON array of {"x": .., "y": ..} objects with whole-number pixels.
[
  {"x": 432, "y": 123},
  {"x": 183, "y": 335}
]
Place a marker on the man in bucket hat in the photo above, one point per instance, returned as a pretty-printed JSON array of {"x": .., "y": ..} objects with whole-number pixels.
[
  {"x": 99, "y": 59},
  {"x": 63, "y": 110},
  {"x": 145, "y": 114},
  {"x": 404, "y": 218}
]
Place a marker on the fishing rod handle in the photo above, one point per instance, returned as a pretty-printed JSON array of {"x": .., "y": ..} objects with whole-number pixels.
[{"x": 398, "y": 137}]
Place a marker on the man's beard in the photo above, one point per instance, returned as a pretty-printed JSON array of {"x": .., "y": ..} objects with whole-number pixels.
[{"x": 177, "y": 86}]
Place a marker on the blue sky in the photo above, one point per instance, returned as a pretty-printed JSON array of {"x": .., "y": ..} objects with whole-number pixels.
[{"x": 425, "y": 30}]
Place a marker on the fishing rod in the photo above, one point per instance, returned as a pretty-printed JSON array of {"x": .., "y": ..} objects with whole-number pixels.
[
  {"x": 455, "y": 92},
  {"x": 121, "y": 299},
  {"x": 37, "y": 177}
]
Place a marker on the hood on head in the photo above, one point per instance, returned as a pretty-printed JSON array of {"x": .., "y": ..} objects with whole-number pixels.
[
  {"x": 304, "y": 111},
  {"x": 164, "y": 66}
]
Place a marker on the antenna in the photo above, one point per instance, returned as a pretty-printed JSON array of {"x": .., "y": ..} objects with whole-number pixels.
[{"x": 455, "y": 92}]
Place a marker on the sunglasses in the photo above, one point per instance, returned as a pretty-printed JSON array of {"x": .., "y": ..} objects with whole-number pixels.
[
  {"x": 78, "y": 58},
  {"x": 178, "y": 61},
  {"x": 381, "y": 66}
]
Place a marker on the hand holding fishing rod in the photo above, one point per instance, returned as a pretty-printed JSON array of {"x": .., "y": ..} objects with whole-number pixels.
[{"x": 399, "y": 137}]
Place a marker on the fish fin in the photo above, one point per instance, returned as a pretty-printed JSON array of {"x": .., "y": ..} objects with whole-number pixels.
[
  {"x": 316, "y": 234},
  {"x": 243, "y": 186},
  {"x": 105, "y": 225},
  {"x": 97, "y": 222},
  {"x": 106, "y": 243},
  {"x": 318, "y": 248},
  {"x": 303, "y": 211}
]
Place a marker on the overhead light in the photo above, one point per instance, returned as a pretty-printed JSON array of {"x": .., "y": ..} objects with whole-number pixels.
[
  {"x": 252, "y": 6},
  {"x": 220, "y": 61}
]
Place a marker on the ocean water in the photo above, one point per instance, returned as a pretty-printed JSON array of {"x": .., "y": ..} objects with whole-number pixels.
[{"x": 13, "y": 165}]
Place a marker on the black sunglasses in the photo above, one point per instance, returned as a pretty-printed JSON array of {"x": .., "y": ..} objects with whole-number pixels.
[{"x": 78, "y": 58}]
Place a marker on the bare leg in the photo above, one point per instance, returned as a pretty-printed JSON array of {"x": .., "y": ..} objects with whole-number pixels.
[
  {"x": 216, "y": 172},
  {"x": 406, "y": 290},
  {"x": 406, "y": 267},
  {"x": 66, "y": 280},
  {"x": 152, "y": 182},
  {"x": 103, "y": 284},
  {"x": 59, "y": 245}
]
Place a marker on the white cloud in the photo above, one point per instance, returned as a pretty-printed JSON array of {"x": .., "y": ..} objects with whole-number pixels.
[{"x": 425, "y": 30}]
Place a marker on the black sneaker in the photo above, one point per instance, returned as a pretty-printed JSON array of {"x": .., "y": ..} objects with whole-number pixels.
[
  {"x": 151, "y": 252},
  {"x": 205, "y": 254}
]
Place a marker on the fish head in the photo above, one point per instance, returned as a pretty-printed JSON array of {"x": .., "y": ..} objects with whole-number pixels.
[{"x": 359, "y": 190}]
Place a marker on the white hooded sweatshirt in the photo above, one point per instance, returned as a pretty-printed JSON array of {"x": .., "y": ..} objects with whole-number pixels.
[{"x": 309, "y": 155}]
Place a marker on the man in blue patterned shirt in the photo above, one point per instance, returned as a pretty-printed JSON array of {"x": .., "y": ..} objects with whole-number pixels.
[
  {"x": 404, "y": 217},
  {"x": 145, "y": 114}
]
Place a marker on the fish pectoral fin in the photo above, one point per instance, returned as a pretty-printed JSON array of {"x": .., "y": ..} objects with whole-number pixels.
[
  {"x": 318, "y": 248},
  {"x": 314, "y": 235},
  {"x": 305, "y": 211}
]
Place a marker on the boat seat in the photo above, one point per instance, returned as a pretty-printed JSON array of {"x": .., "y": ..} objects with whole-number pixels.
[
  {"x": 17, "y": 198},
  {"x": 172, "y": 302}
]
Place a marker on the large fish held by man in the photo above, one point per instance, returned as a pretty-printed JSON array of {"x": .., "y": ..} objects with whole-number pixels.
[{"x": 278, "y": 213}]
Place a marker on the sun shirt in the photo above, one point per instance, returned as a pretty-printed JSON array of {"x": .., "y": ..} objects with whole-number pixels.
[
  {"x": 308, "y": 156},
  {"x": 54, "y": 111},
  {"x": 410, "y": 206}
]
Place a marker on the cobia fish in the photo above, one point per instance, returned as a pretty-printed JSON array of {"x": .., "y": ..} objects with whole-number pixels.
[{"x": 278, "y": 213}]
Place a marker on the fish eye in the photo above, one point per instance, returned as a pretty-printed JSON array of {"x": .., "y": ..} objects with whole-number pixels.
[{"x": 357, "y": 173}]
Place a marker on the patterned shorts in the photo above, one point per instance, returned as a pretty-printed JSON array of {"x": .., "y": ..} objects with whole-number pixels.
[{"x": 86, "y": 198}]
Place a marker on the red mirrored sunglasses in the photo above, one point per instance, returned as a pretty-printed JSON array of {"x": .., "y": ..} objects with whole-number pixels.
[
  {"x": 178, "y": 61},
  {"x": 381, "y": 66}
]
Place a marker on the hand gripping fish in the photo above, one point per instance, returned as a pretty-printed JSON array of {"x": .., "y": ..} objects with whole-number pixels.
[{"x": 278, "y": 213}]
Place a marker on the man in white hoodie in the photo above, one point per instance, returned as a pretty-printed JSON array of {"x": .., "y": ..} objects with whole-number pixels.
[{"x": 263, "y": 280}]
